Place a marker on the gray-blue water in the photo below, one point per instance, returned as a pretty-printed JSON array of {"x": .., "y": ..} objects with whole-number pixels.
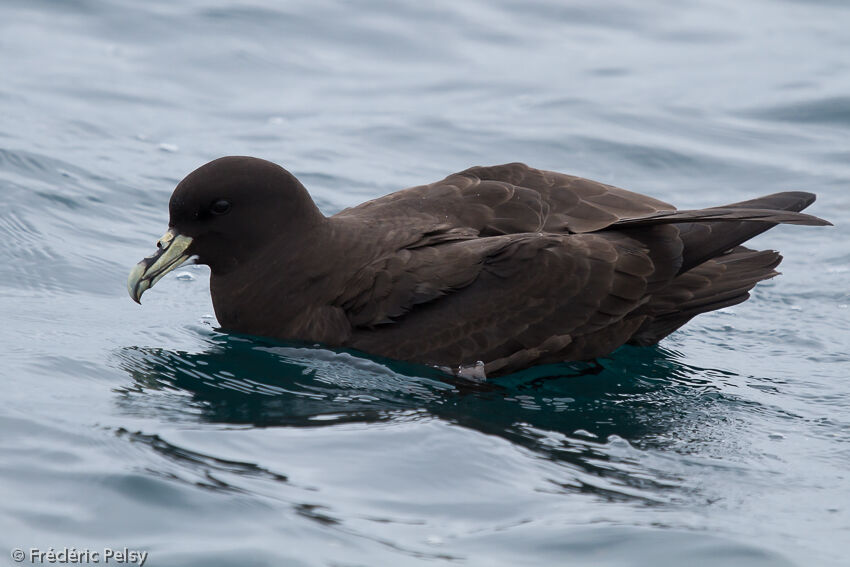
[{"x": 144, "y": 427}]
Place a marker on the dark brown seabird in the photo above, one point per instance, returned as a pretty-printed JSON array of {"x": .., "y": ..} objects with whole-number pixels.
[{"x": 487, "y": 272}]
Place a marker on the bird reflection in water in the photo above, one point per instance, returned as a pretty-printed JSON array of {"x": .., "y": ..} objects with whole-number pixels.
[{"x": 584, "y": 416}]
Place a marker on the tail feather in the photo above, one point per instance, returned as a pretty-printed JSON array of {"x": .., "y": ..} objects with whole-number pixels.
[
  {"x": 721, "y": 282},
  {"x": 716, "y": 271}
]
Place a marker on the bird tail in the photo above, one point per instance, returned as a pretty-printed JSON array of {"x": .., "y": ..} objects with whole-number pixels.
[
  {"x": 716, "y": 271},
  {"x": 721, "y": 282}
]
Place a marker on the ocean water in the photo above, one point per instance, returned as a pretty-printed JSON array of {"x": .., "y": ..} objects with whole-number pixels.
[{"x": 146, "y": 428}]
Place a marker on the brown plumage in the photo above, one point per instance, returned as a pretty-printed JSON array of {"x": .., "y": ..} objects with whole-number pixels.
[{"x": 508, "y": 265}]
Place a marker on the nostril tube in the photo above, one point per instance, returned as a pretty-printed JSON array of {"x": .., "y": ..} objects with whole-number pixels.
[{"x": 165, "y": 240}]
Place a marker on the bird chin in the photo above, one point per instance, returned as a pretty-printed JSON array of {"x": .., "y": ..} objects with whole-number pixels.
[{"x": 172, "y": 254}]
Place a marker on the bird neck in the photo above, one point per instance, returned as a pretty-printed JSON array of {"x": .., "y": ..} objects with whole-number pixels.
[{"x": 288, "y": 282}]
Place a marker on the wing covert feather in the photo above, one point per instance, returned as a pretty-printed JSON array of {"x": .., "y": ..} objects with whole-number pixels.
[
  {"x": 552, "y": 287},
  {"x": 513, "y": 198}
]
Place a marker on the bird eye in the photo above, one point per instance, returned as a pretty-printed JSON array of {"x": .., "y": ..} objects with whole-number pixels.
[{"x": 220, "y": 207}]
